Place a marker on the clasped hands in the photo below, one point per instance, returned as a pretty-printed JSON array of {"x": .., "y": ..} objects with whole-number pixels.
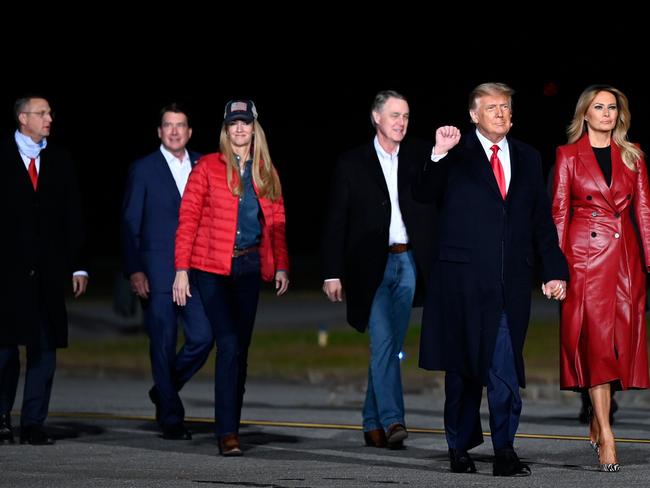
[{"x": 555, "y": 289}]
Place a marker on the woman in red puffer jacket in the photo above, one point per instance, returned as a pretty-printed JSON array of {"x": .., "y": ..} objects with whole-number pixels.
[{"x": 231, "y": 233}]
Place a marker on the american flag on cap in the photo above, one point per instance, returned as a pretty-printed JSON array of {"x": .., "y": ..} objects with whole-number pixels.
[{"x": 238, "y": 107}]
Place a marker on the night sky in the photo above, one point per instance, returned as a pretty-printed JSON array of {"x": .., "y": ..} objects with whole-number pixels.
[{"x": 312, "y": 106}]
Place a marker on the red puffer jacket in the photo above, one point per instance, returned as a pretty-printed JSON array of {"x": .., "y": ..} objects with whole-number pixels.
[{"x": 205, "y": 237}]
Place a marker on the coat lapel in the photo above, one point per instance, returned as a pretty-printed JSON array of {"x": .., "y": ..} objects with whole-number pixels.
[
  {"x": 162, "y": 168},
  {"x": 588, "y": 160},
  {"x": 374, "y": 168},
  {"x": 481, "y": 164},
  {"x": 26, "y": 180}
]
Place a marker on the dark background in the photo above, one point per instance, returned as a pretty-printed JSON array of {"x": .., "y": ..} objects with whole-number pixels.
[{"x": 313, "y": 96}]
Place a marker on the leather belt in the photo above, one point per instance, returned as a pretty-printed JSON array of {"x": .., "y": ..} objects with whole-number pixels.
[
  {"x": 398, "y": 248},
  {"x": 242, "y": 252}
]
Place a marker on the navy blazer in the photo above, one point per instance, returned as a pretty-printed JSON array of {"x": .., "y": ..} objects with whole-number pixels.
[
  {"x": 149, "y": 220},
  {"x": 485, "y": 257}
]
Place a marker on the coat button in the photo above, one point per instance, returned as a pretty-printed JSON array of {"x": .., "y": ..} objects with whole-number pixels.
[
  {"x": 617, "y": 215},
  {"x": 594, "y": 214},
  {"x": 617, "y": 235},
  {"x": 32, "y": 272},
  {"x": 593, "y": 234},
  {"x": 589, "y": 197}
]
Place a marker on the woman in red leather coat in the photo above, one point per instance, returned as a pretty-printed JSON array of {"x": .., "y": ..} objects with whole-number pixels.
[{"x": 601, "y": 207}]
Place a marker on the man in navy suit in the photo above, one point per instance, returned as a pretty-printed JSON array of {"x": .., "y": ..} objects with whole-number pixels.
[
  {"x": 494, "y": 218},
  {"x": 149, "y": 218},
  {"x": 42, "y": 244}
]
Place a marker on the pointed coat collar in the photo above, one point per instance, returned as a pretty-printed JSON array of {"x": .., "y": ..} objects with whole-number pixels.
[
  {"x": 481, "y": 164},
  {"x": 588, "y": 159}
]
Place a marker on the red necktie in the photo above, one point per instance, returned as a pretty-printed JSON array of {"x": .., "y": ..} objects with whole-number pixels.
[
  {"x": 33, "y": 175},
  {"x": 495, "y": 162}
]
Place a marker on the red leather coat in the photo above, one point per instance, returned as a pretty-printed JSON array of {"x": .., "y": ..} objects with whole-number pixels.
[
  {"x": 602, "y": 331},
  {"x": 205, "y": 237}
]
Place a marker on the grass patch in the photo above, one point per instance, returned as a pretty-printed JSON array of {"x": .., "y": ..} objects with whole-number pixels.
[{"x": 295, "y": 355}]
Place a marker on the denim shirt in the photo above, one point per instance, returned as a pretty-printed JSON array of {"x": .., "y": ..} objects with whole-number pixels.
[{"x": 249, "y": 228}]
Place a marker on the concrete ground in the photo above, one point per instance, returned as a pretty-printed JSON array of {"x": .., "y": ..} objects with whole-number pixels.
[
  {"x": 301, "y": 435},
  {"x": 297, "y": 435}
]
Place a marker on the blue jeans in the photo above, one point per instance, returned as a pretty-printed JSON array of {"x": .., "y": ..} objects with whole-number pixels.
[
  {"x": 389, "y": 319},
  {"x": 230, "y": 303}
]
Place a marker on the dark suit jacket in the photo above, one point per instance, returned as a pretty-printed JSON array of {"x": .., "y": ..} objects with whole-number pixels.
[
  {"x": 149, "y": 220},
  {"x": 42, "y": 244},
  {"x": 486, "y": 254},
  {"x": 355, "y": 242}
]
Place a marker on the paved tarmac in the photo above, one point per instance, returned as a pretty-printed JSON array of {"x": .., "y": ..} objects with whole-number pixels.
[
  {"x": 302, "y": 435},
  {"x": 297, "y": 435}
]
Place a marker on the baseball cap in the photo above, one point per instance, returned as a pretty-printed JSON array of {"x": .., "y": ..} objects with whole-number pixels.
[{"x": 240, "y": 110}]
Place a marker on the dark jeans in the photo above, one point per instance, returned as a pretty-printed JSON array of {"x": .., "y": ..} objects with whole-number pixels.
[{"x": 230, "y": 303}]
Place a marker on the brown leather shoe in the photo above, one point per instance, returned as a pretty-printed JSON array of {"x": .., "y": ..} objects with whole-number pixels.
[
  {"x": 375, "y": 438},
  {"x": 229, "y": 445},
  {"x": 395, "y": 436}
]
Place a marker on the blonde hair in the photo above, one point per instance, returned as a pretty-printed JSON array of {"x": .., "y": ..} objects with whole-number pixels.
[
  {"x": 630, "y": 153},
  {"x": 265, "y": 176}
]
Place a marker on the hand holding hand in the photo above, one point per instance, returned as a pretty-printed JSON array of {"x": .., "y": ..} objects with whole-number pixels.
[{"x": 555, "y": 289}]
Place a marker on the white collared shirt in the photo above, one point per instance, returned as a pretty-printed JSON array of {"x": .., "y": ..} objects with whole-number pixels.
[
  {"x": 180, "y": 168},
  {"x": 389, "y": 162},
  {"x": 504, "y": 154}
]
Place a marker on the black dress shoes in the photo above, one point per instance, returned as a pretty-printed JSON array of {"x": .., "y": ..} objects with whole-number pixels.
[
  {"x": 176, "y": 432},
  {"x": 35, "y": 435},
  {"x": 375, "y": 438},
  {"x": 395, "y": 436},
  {"x": 507, "y": 463},
  {"x": 155, "y": 399},
  {"x": 6, "y": 433},
  {"x": 460, "y": 462}
]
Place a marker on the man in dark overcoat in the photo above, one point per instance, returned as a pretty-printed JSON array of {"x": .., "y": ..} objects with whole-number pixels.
[
  {"x": 377, "y": 244},
  {"x": 42, "y": 247},
  {"x": 494, "y": 219}
]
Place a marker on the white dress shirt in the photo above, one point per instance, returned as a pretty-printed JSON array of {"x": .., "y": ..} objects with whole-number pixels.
[
  {"x": 389, "y": 162},
  {"x": 180, "y": 168}
]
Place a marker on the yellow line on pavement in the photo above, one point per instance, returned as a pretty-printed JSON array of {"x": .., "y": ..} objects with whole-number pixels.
[{"x": 316, "y": 425}]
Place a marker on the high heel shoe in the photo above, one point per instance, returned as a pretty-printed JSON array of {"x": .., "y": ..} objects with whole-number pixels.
[
  {"x": 229, "y": 445},
  {"x": 614, "y": 467},
  {"x": 595, "y": 445}
]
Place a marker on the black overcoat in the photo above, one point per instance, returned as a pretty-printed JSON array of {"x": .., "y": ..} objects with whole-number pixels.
[
  {"x": 486, "y": 252},
  {"x": 355, "y": 241},
  {"x": 41, "y": 245}
]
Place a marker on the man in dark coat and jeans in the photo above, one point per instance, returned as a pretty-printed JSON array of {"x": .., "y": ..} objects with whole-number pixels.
[
  {"x": 42, "y": 248},
  {"x": 494, "y": 218},
  {"x": 377, "y": 242}
]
